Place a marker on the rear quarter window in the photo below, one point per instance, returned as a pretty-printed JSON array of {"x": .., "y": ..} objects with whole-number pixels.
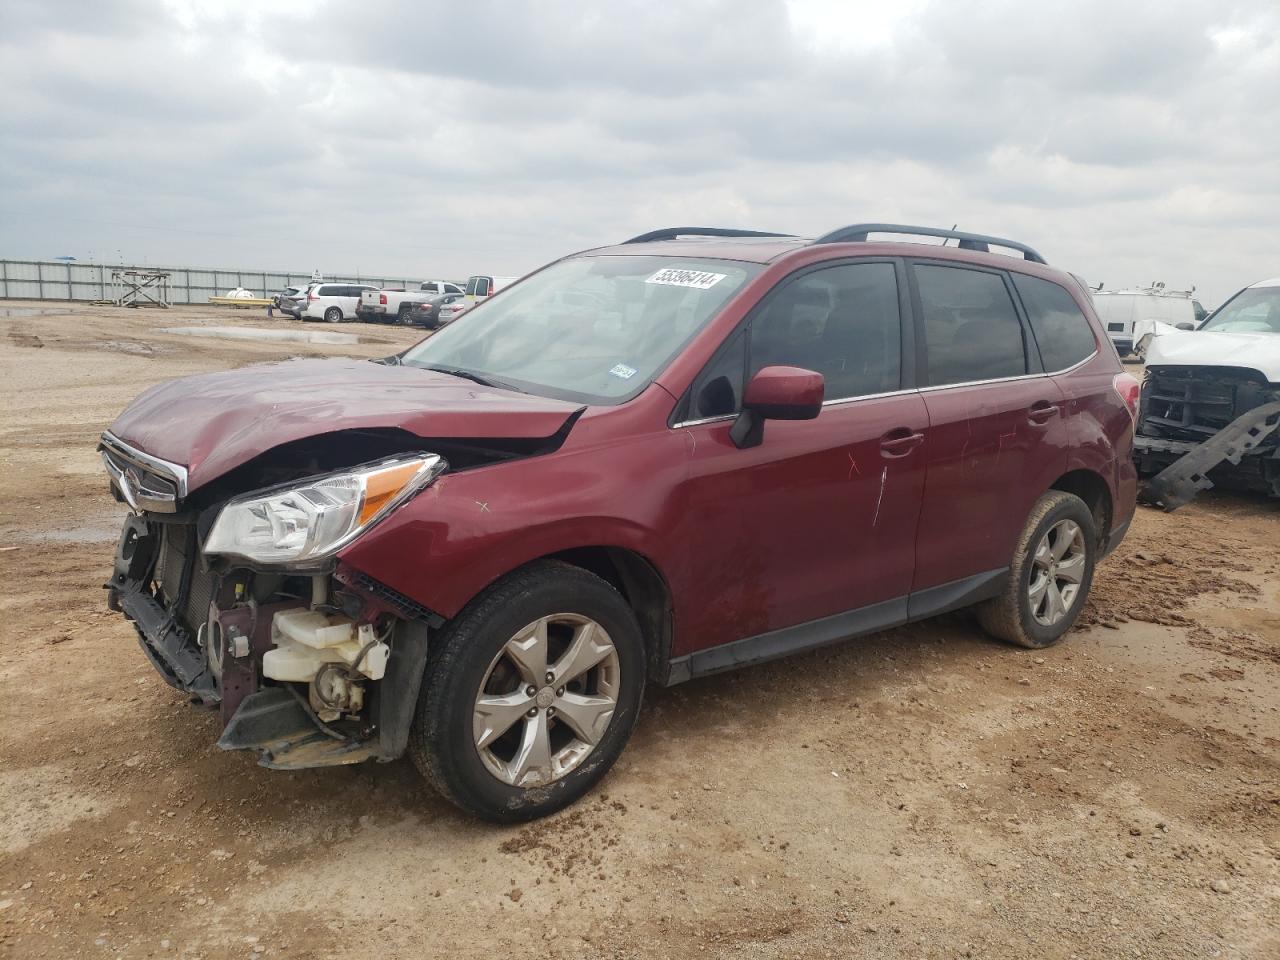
[{"x": 1061, "y": 330}]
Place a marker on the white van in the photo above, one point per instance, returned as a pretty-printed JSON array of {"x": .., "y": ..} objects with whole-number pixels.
[
  {"x": 481, "y": 286},
  {"x": 333, "y": 302},
  {"x": 1119, "y": 310}
]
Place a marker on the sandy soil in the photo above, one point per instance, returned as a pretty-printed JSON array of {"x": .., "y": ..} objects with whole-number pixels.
[{"x": 921, "y": 793}]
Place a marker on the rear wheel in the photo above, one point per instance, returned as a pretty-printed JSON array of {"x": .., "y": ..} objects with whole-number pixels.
[
  {"x": 530, "y": 694},
  {"x": 333, "y": 315},
  {"x": 1050, "y": 576},
  {"x": 402, "y": 315}
]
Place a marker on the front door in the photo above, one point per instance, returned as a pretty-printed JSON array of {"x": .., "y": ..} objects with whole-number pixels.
[{"x": 820, "y": 518}]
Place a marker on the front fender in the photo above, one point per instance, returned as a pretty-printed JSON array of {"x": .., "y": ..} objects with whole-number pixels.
[{"x": 469, "y": 529}]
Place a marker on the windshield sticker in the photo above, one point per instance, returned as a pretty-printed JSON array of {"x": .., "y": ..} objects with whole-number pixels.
[
  {"x": 623, "y": 372},
  {"x": 698, "y": 279}
]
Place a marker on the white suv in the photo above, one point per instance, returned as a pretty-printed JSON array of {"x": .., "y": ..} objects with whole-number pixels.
[{"x": 333, "y": 302}]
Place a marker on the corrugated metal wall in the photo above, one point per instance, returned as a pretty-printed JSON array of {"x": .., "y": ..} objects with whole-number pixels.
[{"x": 58, "y": 280}]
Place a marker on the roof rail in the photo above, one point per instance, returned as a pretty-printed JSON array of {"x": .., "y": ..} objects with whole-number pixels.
[
  {"x": 670, "y": 233},
  {"x": 857, "y": 233}
]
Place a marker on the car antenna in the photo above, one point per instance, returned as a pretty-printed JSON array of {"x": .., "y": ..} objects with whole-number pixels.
[{"x": 945, "y": 239}]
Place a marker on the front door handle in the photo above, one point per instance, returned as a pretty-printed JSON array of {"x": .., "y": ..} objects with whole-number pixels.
[
  {"x": 900, "y": 442},
  {"x": 1042, "y": 411}
]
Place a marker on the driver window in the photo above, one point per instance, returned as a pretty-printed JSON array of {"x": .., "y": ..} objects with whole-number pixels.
[{"x": 841, "y": 321}]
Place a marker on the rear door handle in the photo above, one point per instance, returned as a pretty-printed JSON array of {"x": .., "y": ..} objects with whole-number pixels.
[
  {"x": 900, "y": 442},
  {"x": 1042, "y": 411}
]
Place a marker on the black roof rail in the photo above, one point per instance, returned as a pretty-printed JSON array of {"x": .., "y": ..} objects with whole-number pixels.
[
  {"x": 857, "y": 233},
  {"x": 670, "y": 233}
]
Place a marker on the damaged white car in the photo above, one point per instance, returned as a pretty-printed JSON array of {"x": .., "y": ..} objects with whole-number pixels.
[{"x": 1210, "y": 407}]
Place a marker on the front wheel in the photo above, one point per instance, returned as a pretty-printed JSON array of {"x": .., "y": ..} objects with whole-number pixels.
[
  {"x": 1050, "y": 576},
  {"x": 530, "y": 694},
  {"x": 333, "y": 315}
]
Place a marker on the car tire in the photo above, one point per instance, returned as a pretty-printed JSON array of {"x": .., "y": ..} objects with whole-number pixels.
[
  {"x": 1050, "y": 576},
  {"x": 464, "y": 672},
  {"x": 333, "y": 315},
  {"x": 402, "y": 315}
]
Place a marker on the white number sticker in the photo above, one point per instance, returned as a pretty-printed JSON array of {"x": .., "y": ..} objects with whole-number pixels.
[
  {"x": 675, "y": 277},
  {"x": 622, "y": 371}
]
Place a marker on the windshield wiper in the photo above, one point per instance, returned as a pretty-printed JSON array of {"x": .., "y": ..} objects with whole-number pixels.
[{"x": 472, "y": 376}]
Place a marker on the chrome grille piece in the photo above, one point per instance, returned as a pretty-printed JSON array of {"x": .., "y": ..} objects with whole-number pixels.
[{"x": 145, "y": 482}]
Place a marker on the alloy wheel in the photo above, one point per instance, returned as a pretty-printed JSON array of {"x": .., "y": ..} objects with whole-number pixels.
[
  {"x": 546, "y": 700},
  {"x": 1057, "y": 570}
]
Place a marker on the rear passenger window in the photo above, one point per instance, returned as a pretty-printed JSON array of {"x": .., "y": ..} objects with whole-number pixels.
[
  {"x": 1061, "y": 330},
  {"x": 842, "y": 322},
  {"x": 971, "y": 328}
]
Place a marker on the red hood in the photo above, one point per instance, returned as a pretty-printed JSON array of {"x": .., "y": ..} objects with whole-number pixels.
[{"x": 214, "y": 422}]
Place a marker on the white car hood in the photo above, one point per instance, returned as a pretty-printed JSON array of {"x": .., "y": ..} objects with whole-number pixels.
[{"x": 1256, "y": 351}]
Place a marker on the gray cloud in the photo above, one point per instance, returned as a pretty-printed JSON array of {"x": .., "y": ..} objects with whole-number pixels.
[{"x": 1131, "y": 142}]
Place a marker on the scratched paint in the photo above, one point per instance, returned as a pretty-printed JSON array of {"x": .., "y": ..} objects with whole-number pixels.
[
  {"x": 853, "y": 467},
  {"x": 884, "y": 477}
]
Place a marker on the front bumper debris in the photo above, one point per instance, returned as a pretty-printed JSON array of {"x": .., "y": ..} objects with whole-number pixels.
[
  {"x": 276, "y": 724},
  {"x": 168, "y": 644},
  {"x": 206, "y": 635},
  {"x": 1179, "y": 482},
  {"x": 175, "y": 655}
]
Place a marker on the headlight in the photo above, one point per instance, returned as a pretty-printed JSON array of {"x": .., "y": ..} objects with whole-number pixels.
[{"x": 313, "y": 519}]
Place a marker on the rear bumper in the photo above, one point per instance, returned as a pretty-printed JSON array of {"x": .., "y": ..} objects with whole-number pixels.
[{"x": 1117, "y": 534}]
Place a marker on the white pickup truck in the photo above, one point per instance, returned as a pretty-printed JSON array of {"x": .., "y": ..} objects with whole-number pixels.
[
  {"x": 393, "y": 306},
  {"x": 1210, "y": 407}
]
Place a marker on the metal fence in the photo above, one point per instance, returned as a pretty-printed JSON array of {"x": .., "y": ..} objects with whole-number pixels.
[{"x": 61, "y": 280}]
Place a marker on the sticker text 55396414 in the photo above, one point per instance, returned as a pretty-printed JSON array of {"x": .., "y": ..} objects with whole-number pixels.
[{"x": 676, "y": 277}]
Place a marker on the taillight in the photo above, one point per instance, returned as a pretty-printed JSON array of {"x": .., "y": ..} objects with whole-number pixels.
[
  {"x": 1129, "y": 390},
  {"x": 312, "y": 296},
  {"x": 382, "y": 299}
]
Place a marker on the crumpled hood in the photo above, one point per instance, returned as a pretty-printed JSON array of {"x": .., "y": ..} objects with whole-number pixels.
[
  {"x": 214, "y": 422},
  {"x": 1254, "y": 351}
]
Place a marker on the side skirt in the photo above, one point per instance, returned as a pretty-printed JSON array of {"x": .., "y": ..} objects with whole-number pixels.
[{"x": 841, "y": 626}]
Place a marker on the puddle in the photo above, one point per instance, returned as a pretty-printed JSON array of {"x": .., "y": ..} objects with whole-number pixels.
[
  {"x": 30, "y": 312},
  {"x": 258, "y": 333}
]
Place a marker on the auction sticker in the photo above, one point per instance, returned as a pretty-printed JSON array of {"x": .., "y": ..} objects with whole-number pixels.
[
  {"x": 623, "y": 372},
  {"x": 698, "y": 279}
]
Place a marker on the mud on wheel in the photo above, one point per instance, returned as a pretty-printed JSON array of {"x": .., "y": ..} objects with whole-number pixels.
[
  {"x": 530, "y": 694},
  {"x": 1050, "y": 576}
]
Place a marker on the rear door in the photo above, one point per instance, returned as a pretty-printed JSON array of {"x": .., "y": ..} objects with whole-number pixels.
[
  {"x": 996, "y": 434},
  {"x": 820, "y": 518},
  {"x": 477, "y": 289}
]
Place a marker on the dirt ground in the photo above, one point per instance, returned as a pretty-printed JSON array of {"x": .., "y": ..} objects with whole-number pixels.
[{"x": 924, "y": 792}]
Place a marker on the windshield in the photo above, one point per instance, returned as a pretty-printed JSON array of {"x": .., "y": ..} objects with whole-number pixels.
[
  {"x": 590, "y": 329},
  {"x": 1252, "y": 310}
]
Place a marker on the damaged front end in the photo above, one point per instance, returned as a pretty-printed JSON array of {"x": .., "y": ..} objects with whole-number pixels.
[
  {"x": 240, "y": 603},
  {"x": 1201, "y": 425}
]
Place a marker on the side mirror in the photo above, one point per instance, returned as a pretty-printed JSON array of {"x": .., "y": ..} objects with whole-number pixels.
[
  {"x": 1186, "y": 325},
  {"x": 777, "y": 393}
]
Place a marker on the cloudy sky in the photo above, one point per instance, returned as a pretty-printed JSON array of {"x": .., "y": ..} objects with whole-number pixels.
[{"x": 1129, "y": 141}]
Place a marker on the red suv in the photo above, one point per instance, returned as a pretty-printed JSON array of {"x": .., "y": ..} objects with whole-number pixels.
[{"x": 480, "y": 550}]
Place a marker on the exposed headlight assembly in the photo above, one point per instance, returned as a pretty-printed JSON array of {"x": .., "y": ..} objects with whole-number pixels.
[{"x": 309, "y": 521}]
